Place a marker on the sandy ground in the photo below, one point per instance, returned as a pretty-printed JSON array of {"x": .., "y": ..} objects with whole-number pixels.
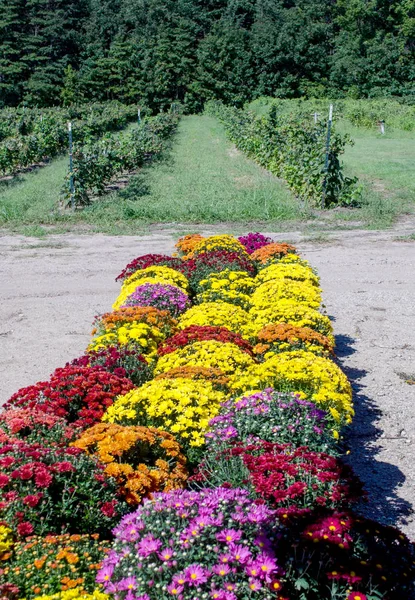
[{"x": 51, "y": 289}]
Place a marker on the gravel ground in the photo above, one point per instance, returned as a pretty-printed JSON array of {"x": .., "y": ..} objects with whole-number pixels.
[{"x": 51, "y": 289}]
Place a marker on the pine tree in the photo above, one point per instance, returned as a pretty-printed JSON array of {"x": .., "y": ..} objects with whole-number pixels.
[{"x": 13, "y": 65}]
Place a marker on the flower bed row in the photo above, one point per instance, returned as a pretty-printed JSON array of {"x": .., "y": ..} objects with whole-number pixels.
[{"x": 195, "y": 450}]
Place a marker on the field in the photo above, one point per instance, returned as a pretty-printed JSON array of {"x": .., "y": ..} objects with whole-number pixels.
[
  {"x": 215, "y": 417},
  {"x": 203, "y": 178}
]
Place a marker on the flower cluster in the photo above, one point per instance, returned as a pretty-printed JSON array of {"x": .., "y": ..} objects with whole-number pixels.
[
  {"x": 273, "y": 417},
  {"x": 314, "y": 378},
  {"x": 292, "y": 313},
  {"x": 140, "y": 337},
  {"x": 283, "y": 337},
  {"x": 218, "y": 379},
  {"x": 123, "y": 361},
  {"x": 217, "y": 314},
  {"x": 218, "y": 243},
  {"x": 271, "y": 253},
  {"x": 198, "y": 268},
  {"x": 75, "y": 594},
  {"x": 270, "y": 293},
  {"x": 142, "y": 460},
  {"x": 227, "y": 357},
  {"x": 161, "y": 296},
  {"x": 186, "y": 244},
  {"x": 6, "y": 542},
  {"x": 234, "y": 287},
  {"x": 148, "y": 260},
  {"x": 181, "y": 406},
  {"x": 161, "y": 319},
  {"x": 202, "y": 333},
  {"x": 254, "y": 241},
  {"x": 292, "y": 480},
  {"x": 56, "y": 565},
  {"x": 48, "y": 489},
  {"x": 357, "y": 557},
  {"x": 152, "y": 275},
  {"x": 294, "y": 271},
  {"x": 80, "y": 395},
  {"x": 33, "y": 425},
  {"x": 209, "y": 544}
]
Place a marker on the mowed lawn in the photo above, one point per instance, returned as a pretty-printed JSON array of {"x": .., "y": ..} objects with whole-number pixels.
[
  {"x": 385, "y": 163},
  {"x": 206, "y": 179}
]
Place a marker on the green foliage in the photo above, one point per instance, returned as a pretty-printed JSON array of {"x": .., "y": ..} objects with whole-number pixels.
[
  {"x": 30, "y": 136},
  {"x": 97, "y": 163},
  {"x": 294, "y": 149},
  {"x": 161, "y": 51}
]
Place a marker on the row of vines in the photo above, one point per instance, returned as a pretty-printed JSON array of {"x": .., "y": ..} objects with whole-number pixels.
[
  {"x": 97, "y": 163},
  {"x": 31, "y": 136},
  {"x": 294, "y": 149},
  {"x": 196, "y": 449},
  {"x": 361, "y": 113}
]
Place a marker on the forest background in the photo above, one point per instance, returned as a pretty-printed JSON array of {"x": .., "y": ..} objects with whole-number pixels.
[{"x": 160, "y": 51}]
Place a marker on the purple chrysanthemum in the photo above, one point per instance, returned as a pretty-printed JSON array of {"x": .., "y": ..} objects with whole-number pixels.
[
  {"x": 254, "y": 241},
  {"x": 161, "y": 296}
]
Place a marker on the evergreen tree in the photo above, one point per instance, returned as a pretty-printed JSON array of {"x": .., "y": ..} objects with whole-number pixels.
[{"x": 13, "y": 65}]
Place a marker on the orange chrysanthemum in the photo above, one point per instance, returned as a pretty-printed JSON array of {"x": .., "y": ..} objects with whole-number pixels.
[
  {"x": 149, "y": 315},
  {"x": 272, "y": 251},
  {"x": 280, "y": 337},
  {"x": 186, "y": 244},
  {"x": 143, "y": 460},
  {"x": 215, "y": 376}
]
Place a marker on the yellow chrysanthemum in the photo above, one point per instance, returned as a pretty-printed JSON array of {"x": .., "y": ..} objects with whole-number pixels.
[
  {"x": 218, "y": 314},
  {"x": 287, "y": 311},
  {"x": 6, "y": 541},
  {"x": 75, "y": 594},
  {"x": 211, "y": 354},
  {"x": 294, "y": 271},
  {"x": 180, "y": 406},
  {"x": 271, "y": 292},
  {"x": 315, "y": 378},
  {"x": 140, "y": 335},
  {"x": 225, "y": 242}
]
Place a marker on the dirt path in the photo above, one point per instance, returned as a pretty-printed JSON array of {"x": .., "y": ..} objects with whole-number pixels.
[{"x": 50, "y": 291}]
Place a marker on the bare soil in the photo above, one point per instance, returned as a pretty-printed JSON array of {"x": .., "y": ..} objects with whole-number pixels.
[{"x": 51, "y": 290}]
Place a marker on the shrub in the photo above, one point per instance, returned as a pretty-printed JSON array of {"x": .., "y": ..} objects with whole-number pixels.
[
  {"x": 56, "y": 565},
  {"x": 273, "y": 417},
  {"x": 254, "y": 241},
  {"x": 142, "y": 460},
  {"x": 148, "y": 260},
  {"x": 199, "y": 333},
  {"x": 52, "y": 489},
  {"x": 119, "y": 360},
  {"x": 207, "y": 544},
  {"x": 161, "y": 296},
  {"x": 295, "y": 481},
  {"x": 80, "y": 395}
]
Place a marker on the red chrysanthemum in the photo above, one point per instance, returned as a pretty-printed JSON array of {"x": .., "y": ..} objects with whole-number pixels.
[
  {"x": 80, "y": 395},
  {"x": 24, "y": 529},
  {"x": 199, "y": 333}
]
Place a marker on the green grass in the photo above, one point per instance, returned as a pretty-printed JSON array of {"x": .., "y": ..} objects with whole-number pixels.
[
  {"x": 384, "y": 165},
  {"x": 33, "y": 197},
  {"x": 206, "y": 179}
]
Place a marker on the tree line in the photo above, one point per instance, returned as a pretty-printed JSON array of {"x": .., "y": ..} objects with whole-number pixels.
[{"x": 160, "y": 51}]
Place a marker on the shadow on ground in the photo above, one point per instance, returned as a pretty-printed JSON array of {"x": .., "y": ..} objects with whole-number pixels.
[{"x": 381, "y": 479}]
